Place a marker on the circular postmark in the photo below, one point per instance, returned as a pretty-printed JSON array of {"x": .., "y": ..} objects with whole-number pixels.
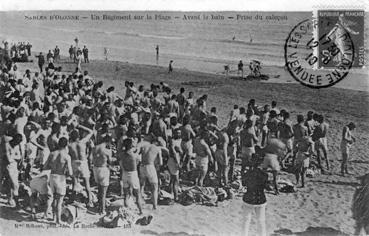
[{"x": 303, "y": 53}]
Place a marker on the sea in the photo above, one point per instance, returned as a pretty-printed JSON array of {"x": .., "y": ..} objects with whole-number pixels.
[{"x": 199, "y": 41}]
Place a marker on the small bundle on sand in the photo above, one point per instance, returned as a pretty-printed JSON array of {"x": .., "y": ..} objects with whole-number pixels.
[{"x": 360, "y": 206}]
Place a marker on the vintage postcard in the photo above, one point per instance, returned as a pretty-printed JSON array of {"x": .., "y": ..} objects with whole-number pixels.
[{"x": 184, "y": 118}]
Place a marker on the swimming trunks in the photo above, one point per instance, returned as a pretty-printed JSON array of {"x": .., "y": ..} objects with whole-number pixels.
[
  {"x": 102, "y": 175},
  {"x": 149, "y": 172}
]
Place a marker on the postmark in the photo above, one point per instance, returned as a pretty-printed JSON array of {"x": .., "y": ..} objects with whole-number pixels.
[{"x": 302, "y": 61}]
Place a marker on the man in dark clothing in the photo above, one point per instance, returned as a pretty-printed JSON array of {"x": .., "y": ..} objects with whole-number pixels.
[
  {"x": 41, "y": 61},
  {"x": 28, "y": 47},
  {"x": 85, "y": 54},
  {"x": 240, "y": 68}
]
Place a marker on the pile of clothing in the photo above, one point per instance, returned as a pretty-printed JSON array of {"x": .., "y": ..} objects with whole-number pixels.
[{"x": 125, "y": 218}]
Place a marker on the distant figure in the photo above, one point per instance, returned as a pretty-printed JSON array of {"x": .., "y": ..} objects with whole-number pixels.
[
  {"x": 240, "y": 68},
  {"x": 79, "y": 60},
  {"x": 85, "y": 54},
  {"x": 226, "y": 69},
  {"x": 157, "y": 54},
  {"x": 50, "y": 57},
  {"x": 71, "y": 50},
  {"x": 347, "y": 140},
  {"x": 106, "y": 52},
  {"x": 250, "y": 38},
  {"x": 56, "y": 53},
  {"x": 28, "y": 47},
  {"x": 170, "y": 69},
  {"x": 41, "y": 61},
  {"x": 234, "y": 38},
  {"x": 76, "y": 40}
]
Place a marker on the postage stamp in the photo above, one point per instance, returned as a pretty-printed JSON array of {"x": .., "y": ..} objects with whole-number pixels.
[{"x": 338, "y": 28}]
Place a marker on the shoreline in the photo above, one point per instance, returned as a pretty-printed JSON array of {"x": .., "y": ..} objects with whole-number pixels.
[{"x": 281, "y": 76}]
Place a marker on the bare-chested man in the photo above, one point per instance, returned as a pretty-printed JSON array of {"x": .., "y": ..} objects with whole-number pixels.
[
  {"x": 150, "y": 154},
  {"x": 203, "y": 156},
  {"x": 187, "y": 135},
  {"x": 174, "y": 161},
  {"x": 78, "y": 153},
  {"x": 102, "y": 155},
  {"x": 12, "y": 157},
  {"x": 221, "y": 155},
  {"x": 59, "y": 162},
  {"x": 347, "y": 140},
  {"x": 248, "y": 142},
  {"x": 128, "y": 161}
]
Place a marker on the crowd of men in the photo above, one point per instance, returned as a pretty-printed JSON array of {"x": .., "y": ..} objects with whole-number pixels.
[
  {"x": 68, "y": 125},
  {"x": 17, "y": 51}
]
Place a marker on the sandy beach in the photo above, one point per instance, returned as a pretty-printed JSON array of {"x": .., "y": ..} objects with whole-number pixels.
[{"x": 321, "y": 208}]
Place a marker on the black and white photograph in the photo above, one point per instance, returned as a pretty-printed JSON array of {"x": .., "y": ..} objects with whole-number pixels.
[{"x": 184, "y": 118}]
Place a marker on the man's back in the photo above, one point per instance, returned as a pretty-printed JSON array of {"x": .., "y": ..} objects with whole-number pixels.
[
  {"x": 58, "y": 162},
  {"x": 129, "y": 160},
  {"x": 149, "y": 153}
]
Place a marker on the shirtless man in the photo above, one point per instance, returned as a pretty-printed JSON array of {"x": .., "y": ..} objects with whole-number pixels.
[
  {"x": 78, "y": 153},
  {"x": 320, "y": 139},
  {"x": 128, "y": 161},
  {"x": 12, "y": 157},
  {"x": 248, "y": 142},
  {"x": 187, "y": 135},
  {"x": 347, "y": 140},
  {"x": 221, "y": 155},
  {"x": 159, "y": 130},
  {"x": 285, "y": 134},
  {"x": 174, "y": 161},
  {"x": 299, "y": 131},
  {"x": 102, "y": 155},
  {"x": 59, "y": 163},
  {"x": 150, "y": 154},
  {"x": 203, "y": 157}
]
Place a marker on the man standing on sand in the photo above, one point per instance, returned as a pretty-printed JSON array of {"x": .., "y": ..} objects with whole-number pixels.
[
  {"x": 41, "y": 61},
  {"x": 78, "y": 153},
  {"x": 59, "y": 162},
  {"x": 57, "y": 53},
  {"x": 128, "y": 161},
  {"x": 102, "y": 155},
  {"x": 71, "y": 50},
  {"x": 85, "y": 54},
  {"x": 170, "y": 68},
  {"x": 320, "y": 138},
  {"x": 221, "y": 155},
  {"x": 12, "y": 157},
  {"x": 150, "y": 152},
  {"x": 203, "y": 157},
  {"x": 347, "y": 140},
  {"x": 106, "y": 52},
  {"x": 240, "y": 68},
  {"x": 248, "y": 142},
  {"x": 157, "y": 53}
]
